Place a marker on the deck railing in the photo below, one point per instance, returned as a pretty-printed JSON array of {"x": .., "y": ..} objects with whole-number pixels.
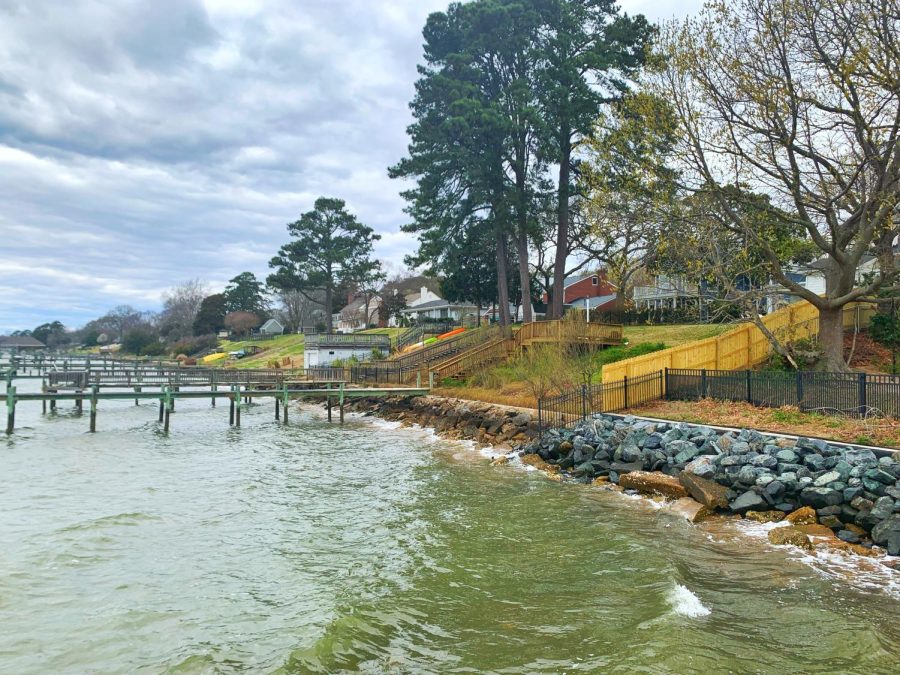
[
  {"x": 570, "y": 331},
  {"x": 348, "y": 340}
]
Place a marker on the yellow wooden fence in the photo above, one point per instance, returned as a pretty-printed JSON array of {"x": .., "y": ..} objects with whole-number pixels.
[{"x": 738, "y": 349}]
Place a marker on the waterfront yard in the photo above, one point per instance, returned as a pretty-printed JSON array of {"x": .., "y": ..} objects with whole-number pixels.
[
  {"x": 870, "y": 431},
  {"x": 675, "y": 335},
  {"x": 277, "y": 348}
]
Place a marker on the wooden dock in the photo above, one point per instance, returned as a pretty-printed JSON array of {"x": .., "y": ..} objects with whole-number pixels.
[{"x": 238, "y": 396}]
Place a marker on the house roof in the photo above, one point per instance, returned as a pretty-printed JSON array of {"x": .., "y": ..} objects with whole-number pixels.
[
  {"x": 592, "y": 302},
  {"x": 21, "y": 341},
  {"x": 271, "y": 323},
  {"x": 579, "y": 277},
  {"x": 436, "y": 304}
]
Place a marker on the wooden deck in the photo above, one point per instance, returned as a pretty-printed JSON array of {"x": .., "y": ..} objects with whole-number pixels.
[{"x": 332, "y": 393}]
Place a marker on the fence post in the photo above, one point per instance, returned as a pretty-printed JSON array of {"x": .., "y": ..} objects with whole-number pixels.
[
  {"x": 583, "y": 402},
  {"x": 861, "y": 395},
  {"x": 661, "y": 383},
  {"x": 703, "y": 386},
  {"x": 799, "y": 387},
  {"x": 540, "y": 419},
  {"x": 625, "y": 383},
  {"x": 749, "y": 398}
]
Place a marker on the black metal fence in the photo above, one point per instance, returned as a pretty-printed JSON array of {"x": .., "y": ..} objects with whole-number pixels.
[
  {"x": 383, "y": 373},
  {"x": 856, "y": 394},
  {"x": 852, "y": 394},
  {"x": 572, "y": 407}
]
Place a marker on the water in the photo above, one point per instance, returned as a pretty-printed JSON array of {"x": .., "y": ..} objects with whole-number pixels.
[{"x": 316, "y": 548}]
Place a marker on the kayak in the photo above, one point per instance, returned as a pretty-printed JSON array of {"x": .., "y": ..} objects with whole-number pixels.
[
  {"x": 451, "y": 333},
  {"x": 430, "y": 341}
]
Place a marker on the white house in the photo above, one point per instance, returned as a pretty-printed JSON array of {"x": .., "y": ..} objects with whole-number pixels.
[
  {"x": 440, "y": 310},
  {"x": 323, "y": 349},
  {"x": 355, "y": 315},
  {"x": 812, "y": 278}
]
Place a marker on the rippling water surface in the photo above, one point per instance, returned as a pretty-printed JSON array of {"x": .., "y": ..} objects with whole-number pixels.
[{"x": 319, "y": 548}]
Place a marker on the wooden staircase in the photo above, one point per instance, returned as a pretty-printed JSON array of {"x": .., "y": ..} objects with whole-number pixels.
[{"x": 501, "y": 348}]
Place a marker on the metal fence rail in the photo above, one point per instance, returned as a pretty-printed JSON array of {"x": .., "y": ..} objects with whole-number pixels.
[
  {"x": 408, "y": 337},
  {"x": 348, "y": 339},
  {"x": 857, "y": 394},
  {"x": 576, "y": 405}
]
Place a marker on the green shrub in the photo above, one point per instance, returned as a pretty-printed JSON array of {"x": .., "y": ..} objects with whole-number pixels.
[
  {"x": 137, "y": 338},
  {"x": 153, "y": 349},
  {"x": 885, "y": 329}
]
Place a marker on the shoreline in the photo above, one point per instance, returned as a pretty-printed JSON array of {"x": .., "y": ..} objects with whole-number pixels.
[{"x": 464, "y": 420}]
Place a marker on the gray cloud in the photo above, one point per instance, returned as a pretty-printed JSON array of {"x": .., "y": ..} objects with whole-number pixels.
[{"x": 147, "y": 142}]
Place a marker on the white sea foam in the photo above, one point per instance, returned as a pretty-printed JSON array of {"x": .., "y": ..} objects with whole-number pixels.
[{"x": 685, "y": 603}]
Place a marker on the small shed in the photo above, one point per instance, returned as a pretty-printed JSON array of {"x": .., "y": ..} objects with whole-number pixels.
[{"x": 272, "y": 327}]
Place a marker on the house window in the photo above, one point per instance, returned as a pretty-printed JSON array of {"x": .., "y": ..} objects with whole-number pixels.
[{"x": 594, "y": 281}]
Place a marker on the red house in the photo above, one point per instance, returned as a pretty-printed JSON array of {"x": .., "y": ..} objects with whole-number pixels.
[{"x": 594, "y": 289}]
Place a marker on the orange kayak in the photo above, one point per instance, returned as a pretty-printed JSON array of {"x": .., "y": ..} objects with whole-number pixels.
[{"x": 451, "y": 333}]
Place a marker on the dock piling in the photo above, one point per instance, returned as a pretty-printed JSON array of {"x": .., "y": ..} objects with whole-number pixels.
[
  {"x": 10, "y": 409},
  {"x": 237, "y": 409},
  {"x": 341, "y": 402},
  {"x": 94, "y": 390},
  {"x": 286, "y": 399},
  {"x": 169, "y": 408}
]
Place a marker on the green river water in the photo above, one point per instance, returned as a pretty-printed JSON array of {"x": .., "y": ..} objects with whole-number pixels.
[{"x": 320, "y": 548}]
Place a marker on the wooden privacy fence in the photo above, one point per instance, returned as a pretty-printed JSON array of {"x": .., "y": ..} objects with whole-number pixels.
[{"x": 740, "y": 348}]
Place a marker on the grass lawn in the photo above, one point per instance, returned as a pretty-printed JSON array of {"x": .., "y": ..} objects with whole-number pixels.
[
  {"x": 674, "y": 335},
  {"x": 275, "y": 349},
  {"x": 872, "y": 431}
]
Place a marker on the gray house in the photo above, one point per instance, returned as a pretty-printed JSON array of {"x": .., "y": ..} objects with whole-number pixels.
[{"x": 272, "y": 327}]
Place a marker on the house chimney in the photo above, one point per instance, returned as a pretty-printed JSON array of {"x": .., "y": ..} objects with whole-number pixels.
[{"x": 423, "y": 292}]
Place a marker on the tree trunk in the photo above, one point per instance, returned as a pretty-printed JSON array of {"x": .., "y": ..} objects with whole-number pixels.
[
  {"x": 562, "y": 236},
  {"x": 831, "y": 340},
  {"x": 884, "y": 251},
  {"x": 503, "y": 279},
  {"x": 522, "y": 235},
  {"x": 328, "y": 304},
  {"x": 524, "y": 275}
]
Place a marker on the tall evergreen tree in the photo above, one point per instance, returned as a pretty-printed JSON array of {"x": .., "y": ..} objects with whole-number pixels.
[
  {"x": 330, "y": 248},
  {"x": 589, "y": 51},
  {"x": 470, "y": 101},
  {"x": 246, "y": 293}
]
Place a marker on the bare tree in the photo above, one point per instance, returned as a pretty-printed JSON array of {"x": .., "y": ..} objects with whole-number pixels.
[
  {"x": 241, "y": 322},
  {"x": 180, "y": 307},
  {"x": 299, "y": 309},
  {"x": 798, "y": 100}
]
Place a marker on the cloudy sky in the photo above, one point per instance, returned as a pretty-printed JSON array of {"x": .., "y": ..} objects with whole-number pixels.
[{"x": 147, "y": 142}]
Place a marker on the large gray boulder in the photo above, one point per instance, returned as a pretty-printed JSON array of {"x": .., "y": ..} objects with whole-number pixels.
[
  {"x": 749, "y": 501},
  {"x": 707, "y": 492},
  {"x": 820, "y": 497},
  {"x": 887, "y": 534}
]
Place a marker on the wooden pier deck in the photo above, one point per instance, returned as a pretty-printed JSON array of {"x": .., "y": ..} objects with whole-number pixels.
[{"x": 332, "y": 393}]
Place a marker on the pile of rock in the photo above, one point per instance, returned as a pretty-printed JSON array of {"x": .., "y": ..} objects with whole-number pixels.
[
  {"x": 452, "y": 418},
  {"x": 851, "y": 491}
]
